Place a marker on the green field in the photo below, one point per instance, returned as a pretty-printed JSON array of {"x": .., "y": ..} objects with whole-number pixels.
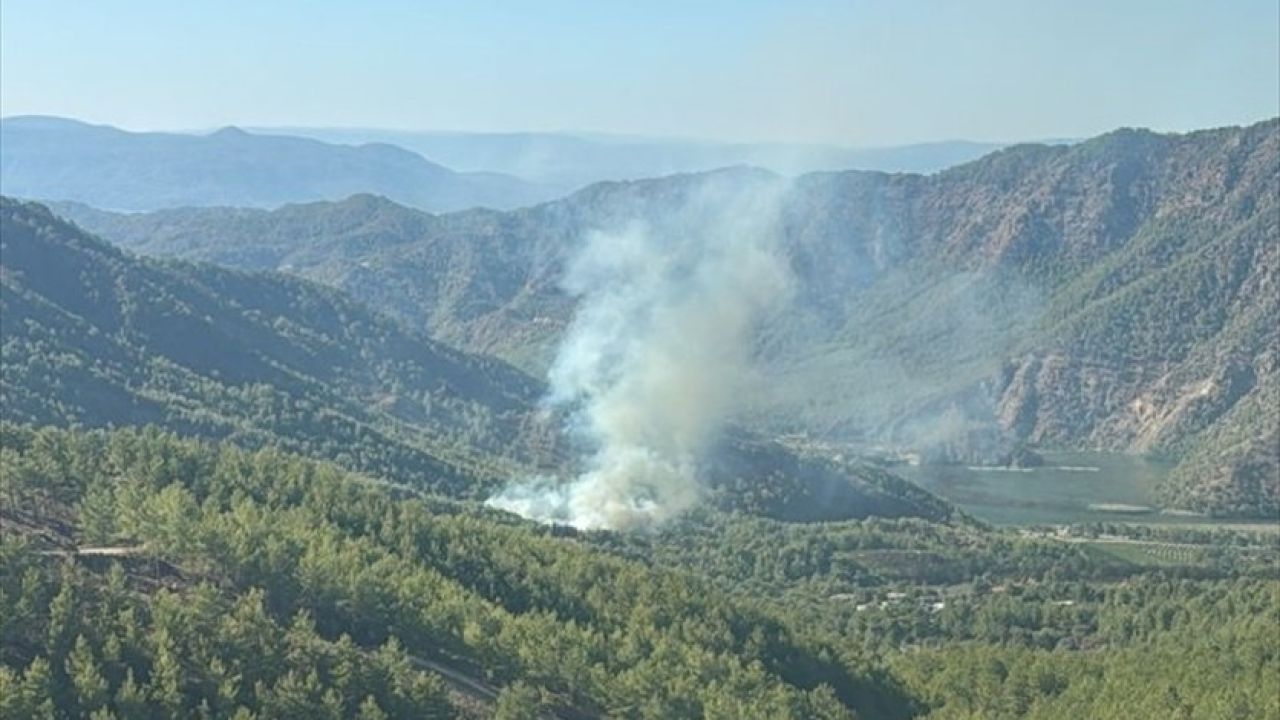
[{"x": 1152, "y": 553}]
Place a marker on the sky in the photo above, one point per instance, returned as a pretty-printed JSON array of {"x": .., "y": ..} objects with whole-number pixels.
[{"x": 852, "y": 73}]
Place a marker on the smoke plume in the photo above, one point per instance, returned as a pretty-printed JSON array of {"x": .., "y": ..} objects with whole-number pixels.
[{"x": 658, "y": 354}]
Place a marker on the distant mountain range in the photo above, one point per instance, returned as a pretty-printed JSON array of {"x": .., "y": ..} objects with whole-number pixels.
[
  {"x": 63, "y": 159},
  {"x": 1117, "y": 294},
  {"x": 572, "y": 160}
]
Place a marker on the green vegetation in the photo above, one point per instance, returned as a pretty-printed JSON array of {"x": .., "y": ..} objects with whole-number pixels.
[
  {"x": 270, "y": 586},
  {"x": 1113, "y": 294},
  {"x": 106, "y": 651},
  {"x": 343, "y": 565},
  {"x": 97, "y": 337},
  {"x": 1233, "y": 464},
  {"x": 245, "y": 496}
]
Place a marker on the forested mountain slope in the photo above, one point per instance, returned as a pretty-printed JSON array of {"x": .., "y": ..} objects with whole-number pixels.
[
  {"x": 57, "y": 158},
  {"x": 92, "y": 335},
  {"x": 293, "y": 590},
  {"x": 156, "y": 577},
  {"x": 1115, "y": 294}
]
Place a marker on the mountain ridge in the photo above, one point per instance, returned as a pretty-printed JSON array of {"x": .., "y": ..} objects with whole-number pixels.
[
  {"x": 1035, "y": 264},
  {"x": 96, "y": 336},
  {"x": 59, "y": 158},
  {"x": 572, "y": 160}
]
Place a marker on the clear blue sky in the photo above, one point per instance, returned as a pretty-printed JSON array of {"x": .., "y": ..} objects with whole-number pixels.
[{"x": 859, "y": 73}]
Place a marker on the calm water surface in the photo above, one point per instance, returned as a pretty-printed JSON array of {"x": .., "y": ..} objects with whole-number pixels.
[{"x": 1070, "y": 487}]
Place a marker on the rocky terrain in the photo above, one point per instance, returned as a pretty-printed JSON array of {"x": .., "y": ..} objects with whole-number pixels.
[{"x": 1116, "y": 294}]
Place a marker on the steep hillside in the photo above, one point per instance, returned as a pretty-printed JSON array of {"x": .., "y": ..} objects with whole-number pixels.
[
  {"x": 54, "y": 158},
  {"x": 267, "y": 582},
  {"x": 1116, "y": 294},
  {"x": 94, "y": 336},
  {"x": 1119, "y": 294}
]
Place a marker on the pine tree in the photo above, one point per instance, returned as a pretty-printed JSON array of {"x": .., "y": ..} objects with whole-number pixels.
[
  {"x": 332, "y": 703},
  {"x": 518, "y": 701},
  {"x": 62, "y": 619},
  {"x": 369, "y": 710},
  {"x": 11, "y": 704},
  {"x": 131, "y": 699},
  {"x": 98, "y": 512},
  {"x": 165, "y": 688},
  {"x": 344, "y": 672},
  {"x": 227, "y": 686},
  {"x": 37, "y": 690},
  {"x": 112, "y": 658},
  {"x": 21, "y": 622},
  {"x": 86, "y": 678}
]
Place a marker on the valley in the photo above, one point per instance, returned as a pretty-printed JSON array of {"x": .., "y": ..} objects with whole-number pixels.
[
  {"x": 854, "y": 445},
  {"x": 204, "y": 450},
  {"x": 639, "y": 361},
  {"x": 97, "y": 337},
  {"x": 1014, "y": 300}
]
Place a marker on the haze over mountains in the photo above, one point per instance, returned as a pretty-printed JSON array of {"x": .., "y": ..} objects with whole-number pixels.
[
  {"x": 57, "y": 158},
  {"x": 1114, "y": 294},
  {"x": 62, "y": 159},
  {"x": 573, "y": 160}
]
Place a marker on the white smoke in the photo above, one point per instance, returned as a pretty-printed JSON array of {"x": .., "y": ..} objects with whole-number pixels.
[{"x": 657, "y": 357}]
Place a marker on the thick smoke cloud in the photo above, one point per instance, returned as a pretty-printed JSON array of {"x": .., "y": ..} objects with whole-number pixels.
[{"x": 657, "y": 357}]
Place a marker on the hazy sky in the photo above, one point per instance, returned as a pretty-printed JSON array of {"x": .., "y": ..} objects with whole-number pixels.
[{"x": 863, "y": 73}]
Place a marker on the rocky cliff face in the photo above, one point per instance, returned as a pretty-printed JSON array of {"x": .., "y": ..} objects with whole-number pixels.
[{"x": 1120, "y": 293}]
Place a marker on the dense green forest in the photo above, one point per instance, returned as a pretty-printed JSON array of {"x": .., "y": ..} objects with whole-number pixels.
[
  {"x": 259, "y": 584},
  {"x": 314, "y": 555},
  {"x": 92, "y": 335}
]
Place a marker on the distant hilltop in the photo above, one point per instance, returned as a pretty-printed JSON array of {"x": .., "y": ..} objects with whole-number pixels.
[{"x": 54, "y": 158}]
